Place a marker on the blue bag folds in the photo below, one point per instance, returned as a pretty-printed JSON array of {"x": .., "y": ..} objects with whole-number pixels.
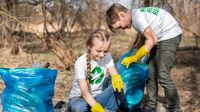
[
  {"x": 134, "y": 79},
  {"x": 28, "y": 89}
]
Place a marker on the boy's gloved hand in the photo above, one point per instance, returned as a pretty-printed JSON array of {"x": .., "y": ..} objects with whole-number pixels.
[
  {"x": 97, "y": 108},
  {"x": 117, "y": 83},
  {"x": 128, "y": 60},
  {"x": 133, "y": 59}
]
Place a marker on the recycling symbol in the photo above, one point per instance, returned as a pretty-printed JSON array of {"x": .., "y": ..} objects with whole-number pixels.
[{"x": 94, "y": 72}]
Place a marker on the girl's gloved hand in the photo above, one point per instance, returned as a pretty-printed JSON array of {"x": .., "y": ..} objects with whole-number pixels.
[
  {"x": 97, "y": 108},
  {"x": 117, "y": 82}
]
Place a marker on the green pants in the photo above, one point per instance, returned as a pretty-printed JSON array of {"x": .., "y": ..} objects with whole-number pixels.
[{"x": 163, "y": 56}]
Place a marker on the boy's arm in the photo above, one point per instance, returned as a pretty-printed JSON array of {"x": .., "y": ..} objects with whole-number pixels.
[
  {"x": 150, "y": 41},
  {"x": 116, "y": 79},
  {"x": 151, "y": 38}
]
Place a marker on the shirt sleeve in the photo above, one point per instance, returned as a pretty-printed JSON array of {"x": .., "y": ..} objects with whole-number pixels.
[
  {"x": 109, "y": 61},
  {"x": 80, "y": 69},
  {"x": 141, "y": 22}
]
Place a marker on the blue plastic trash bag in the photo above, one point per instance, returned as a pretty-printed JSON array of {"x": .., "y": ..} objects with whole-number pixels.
[
  {"x": 134, "y": 79},
  {"x": 28, "y": 89}
]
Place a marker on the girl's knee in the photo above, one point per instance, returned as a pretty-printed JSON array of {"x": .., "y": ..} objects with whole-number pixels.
[
  {"x": 77, "y": 105},
  {"x": 77, "y": 108}
]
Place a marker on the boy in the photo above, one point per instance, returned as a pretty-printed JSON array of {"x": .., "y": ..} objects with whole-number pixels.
[{"x": 162, "y": 38}]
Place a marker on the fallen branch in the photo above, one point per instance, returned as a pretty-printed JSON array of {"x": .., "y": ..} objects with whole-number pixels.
[{"x": 188, "y": 48}]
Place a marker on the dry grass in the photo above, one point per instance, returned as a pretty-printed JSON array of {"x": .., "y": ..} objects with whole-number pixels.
[{"x": 186, "y": 72}]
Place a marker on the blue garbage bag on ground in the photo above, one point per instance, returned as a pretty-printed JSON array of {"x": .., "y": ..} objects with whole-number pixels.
[
  {"x": 134, "y": 79},
  {"x": 28, "y": 89}
]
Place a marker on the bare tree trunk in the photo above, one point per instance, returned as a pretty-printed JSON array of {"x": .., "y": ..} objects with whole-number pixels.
[
  {"x": 100, "y": 13},
  {"x": 57, "y": 48},
  {"x": 190, "y": 22},
  {"x": 55, "y": 42},
  {"x": 90, "y": 13},
  {"x": 9, "y": 27}
]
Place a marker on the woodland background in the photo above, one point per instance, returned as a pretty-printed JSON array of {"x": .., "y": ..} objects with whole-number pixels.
[{"x": 54, "y": 31}]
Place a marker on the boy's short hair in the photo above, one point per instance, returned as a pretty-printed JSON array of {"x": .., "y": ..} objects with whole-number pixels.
[{"x": 112, "y": 14}]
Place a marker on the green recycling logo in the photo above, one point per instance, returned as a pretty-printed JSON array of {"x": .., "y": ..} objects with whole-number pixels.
[{"x": 94, "y": 72}]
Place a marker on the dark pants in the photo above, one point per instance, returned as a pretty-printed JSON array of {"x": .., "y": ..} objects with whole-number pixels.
[{"x": 163, "y": 56}]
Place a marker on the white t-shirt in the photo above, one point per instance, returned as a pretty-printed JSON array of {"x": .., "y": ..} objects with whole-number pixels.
[
  {"x": 162, "y": 23},
  {"x": 97, "y": 76}
]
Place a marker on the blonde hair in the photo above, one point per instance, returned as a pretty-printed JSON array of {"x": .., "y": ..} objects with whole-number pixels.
[
  {"x": 112, "y": 14},
  {"x": 99, "y": 34}
]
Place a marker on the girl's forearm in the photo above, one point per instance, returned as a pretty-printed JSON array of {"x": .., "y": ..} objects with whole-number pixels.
[{"x": 89, "y": 99}]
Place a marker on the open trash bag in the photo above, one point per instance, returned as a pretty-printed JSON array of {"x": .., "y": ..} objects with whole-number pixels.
[
  {"x": 28, "y": 89},
  {"x": 134, "y": 79}
]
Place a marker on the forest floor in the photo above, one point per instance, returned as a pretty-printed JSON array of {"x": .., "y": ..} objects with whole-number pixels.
[{"x": 185, "y": 73}]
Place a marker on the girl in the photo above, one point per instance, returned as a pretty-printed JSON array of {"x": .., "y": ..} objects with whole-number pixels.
[{"x": 90, "y": 71}]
